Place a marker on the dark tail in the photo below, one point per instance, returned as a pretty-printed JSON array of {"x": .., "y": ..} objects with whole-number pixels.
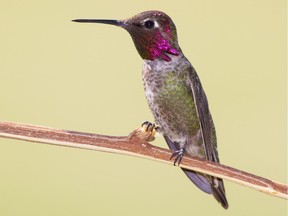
[
  {"x": 206, "y": 183},
  {"x": 219, "y": 193}
]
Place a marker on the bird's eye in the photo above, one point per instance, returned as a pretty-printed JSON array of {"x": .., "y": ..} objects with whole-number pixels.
[{"x": 149, "y": 24}]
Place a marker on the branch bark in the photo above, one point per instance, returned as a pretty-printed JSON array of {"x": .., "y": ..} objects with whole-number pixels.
[{"x": 137, "y": 144}]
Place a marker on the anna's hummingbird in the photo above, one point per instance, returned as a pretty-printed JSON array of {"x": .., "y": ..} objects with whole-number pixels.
[{"x": 174, "y": 94}]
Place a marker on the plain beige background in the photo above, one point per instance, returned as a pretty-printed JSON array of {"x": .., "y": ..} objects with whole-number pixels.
[{"x": 87, "y": 77}]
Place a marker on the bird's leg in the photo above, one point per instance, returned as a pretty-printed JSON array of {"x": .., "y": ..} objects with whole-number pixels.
[{"x": 178, "y": 154}]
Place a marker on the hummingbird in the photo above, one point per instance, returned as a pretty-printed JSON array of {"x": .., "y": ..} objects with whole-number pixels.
[{"x": 174, "y": 93}]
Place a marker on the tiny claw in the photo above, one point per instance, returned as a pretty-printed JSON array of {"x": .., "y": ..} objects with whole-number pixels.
[
  {"x": 156, "y": 128},
  {"x": 145, "y": 123},
  {"x": 179, "y": 154}
]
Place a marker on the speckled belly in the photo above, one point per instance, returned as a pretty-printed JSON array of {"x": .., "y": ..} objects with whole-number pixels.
[{"x": 172, "y": 105}]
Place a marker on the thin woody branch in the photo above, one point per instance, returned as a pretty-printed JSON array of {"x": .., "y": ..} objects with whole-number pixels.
[{"x": 137, "y": 144}]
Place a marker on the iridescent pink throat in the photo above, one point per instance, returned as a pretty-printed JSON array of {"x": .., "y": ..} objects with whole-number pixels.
[{"x": 161, "y": 48}]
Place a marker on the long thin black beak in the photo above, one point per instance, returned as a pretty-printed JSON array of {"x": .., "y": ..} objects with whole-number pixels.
[{"x": 103, "y": 21}]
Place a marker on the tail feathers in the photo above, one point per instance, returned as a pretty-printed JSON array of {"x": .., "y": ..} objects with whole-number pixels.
[
  {"x": 207, "y": 184},
  {"x": 199, "y": 180},
  {"x": 204, "y": 184},
  {"x": 219, "y": 192}
]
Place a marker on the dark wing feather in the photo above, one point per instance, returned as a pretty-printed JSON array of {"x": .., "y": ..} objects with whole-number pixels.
[{"x": 208, "y": 131}]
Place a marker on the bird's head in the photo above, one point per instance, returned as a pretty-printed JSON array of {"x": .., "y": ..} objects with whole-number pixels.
[{"x": 153, "y": 32}]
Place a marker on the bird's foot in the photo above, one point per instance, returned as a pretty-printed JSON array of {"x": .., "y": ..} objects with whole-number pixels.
[
  {"x": 150, "y": 129},
  {"x": 179, "y": 154}
]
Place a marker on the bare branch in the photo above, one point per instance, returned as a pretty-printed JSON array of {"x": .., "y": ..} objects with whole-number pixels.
[{"x": 136, "y": 144}]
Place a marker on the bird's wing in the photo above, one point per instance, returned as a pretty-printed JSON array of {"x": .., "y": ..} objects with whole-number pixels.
[
  {"x": 205, "y": 119},
  {"x": 208, "y": 132}
]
